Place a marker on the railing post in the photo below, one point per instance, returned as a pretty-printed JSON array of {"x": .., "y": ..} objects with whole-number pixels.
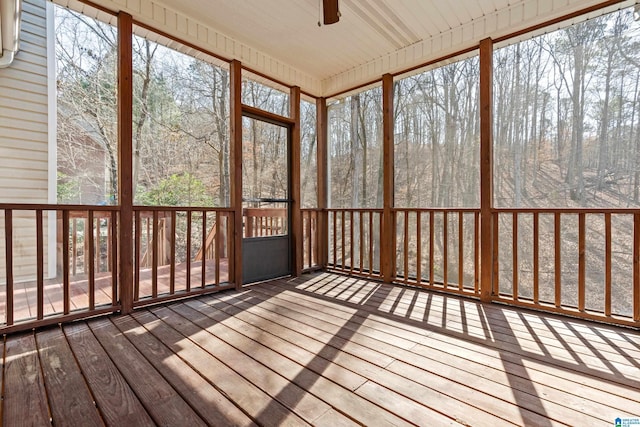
[
  {"x": 486, "y": 169},
  {"x": 235, "y": 82},
  {"x": 387, "y": 249},
  {"x": 8, "y": 245},
  {"x": 636, "y": 267},
  {"x": 323, "y": 218},
  {"x": 125, "y": 160}
]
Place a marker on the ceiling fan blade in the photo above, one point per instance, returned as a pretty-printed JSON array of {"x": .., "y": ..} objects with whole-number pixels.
[{"x": 330, "y": 11}]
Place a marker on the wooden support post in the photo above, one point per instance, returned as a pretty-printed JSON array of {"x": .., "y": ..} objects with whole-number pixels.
[
  {"x": 8, "y": 247},
  {"x": 486, "y": 169},
  {"x": 235, "y": 132},
  {"x": 297, "y": 233},
  {"x": 125, "y": 160},
  {"x": 387, "y": 250},
  {"x": 322, "y": 164},
  {"x": 636, "y": 267}
]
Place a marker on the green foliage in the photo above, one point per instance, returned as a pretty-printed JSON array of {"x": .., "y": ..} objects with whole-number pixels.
[
  {"x": 177, "y": 190},
  {"x": 68, "y": 189}
]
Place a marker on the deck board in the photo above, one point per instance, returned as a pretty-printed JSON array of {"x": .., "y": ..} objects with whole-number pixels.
[
  {"x": 323, "y": 349},
  {"x": 251, "y": 397},
  {"x": 165, "y": 406},
  {"x": 24, "y": 397},
  {"x": 193, "y": 388},
  {"x": 61, "y": 374},
  {"x": 115, "y": 399}
]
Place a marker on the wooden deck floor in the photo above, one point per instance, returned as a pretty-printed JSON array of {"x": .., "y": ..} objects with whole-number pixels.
[{"x": 323, "y": 349}]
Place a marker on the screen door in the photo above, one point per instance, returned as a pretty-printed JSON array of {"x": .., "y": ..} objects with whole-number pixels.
[{"x": 266, "y": 243}]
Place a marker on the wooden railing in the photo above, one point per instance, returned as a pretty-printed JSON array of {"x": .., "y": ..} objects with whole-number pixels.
[
  {"x": 354, "y": 241},
  {"x": 438, "y": 249},
  {"x": 259, "y": 222},
  {"x": 180, "y": 251},
  {"x": 79, "y": 242},
  {"x": 35, "y": 289},
  {"x": 311, "y": 238},
  {"x": 581, "y": 262}
]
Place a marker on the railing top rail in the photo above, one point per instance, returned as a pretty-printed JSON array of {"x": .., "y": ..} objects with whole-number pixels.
[
  {"x": 568, "y": 210},
  {"x": 180, "y": 208},
  {"x": 52, "y": 207},
  {"x": 265, "y": 212},
  {"x": 448, "y": 209},
  {"x": 379, "y": 210}
]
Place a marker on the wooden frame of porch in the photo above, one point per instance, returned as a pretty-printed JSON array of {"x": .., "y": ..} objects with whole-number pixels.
[{"x": 338, "y": 347}]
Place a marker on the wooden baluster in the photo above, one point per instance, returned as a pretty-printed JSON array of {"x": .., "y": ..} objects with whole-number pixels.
[
  {"x": 431, "y": 251},
  {"x": 557, "y": 260},
  {"x": 8, "y": 245},
  {"x": 351, "y": 242},
  {"x": 405, "y": 264},
  {"x": 496, "y": 262},
  {"x": 74, "y": 246},
  {"x": 370, "y": 244},
  {"x": 154, "y": 247},
  {"x": 40, "y": 265},
  {"x": 636, "y": 266},
  {"x": 318, "y": 238},
  {"x": 203, "y": 271},
  {"x": 335, "y": 238},
  {"x": 99, "y": 248},
  {"x": 172, "y": 255},
  {"x": 514, "y": 250},
  {"x": 149, "y": 241},
  {"x": 85, "y": 248},
  {"x": 607, "y": 264},
  {"x": 536, "y": 260},
  {"x": 113, "y": 244},
  {"x": 188, "y": 255},
  {"x": 460, "y": 251},
  {"x": 342, "y": 241},
  {"x": 445, "y": 249},
  {"x": 381, "y": 233},
  {"x": 391, "y": 251},
  {"x": 581, "y": 261},
  {"x": 96, "y": 243},
  {"x": 312, "y": 241},
  {"x": 91, "y": 261},
  {"x": 419, "y": 247},
  {"x": 65, "y": 268},
  {"x": 476, "y": 253},
  {"x": 216, "y": 231},
  {"x": 361, "y": 254},
  {"x": 137, "y": 266}
]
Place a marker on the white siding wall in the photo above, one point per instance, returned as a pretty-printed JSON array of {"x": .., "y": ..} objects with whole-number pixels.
[{"x": 24, "y": 136}]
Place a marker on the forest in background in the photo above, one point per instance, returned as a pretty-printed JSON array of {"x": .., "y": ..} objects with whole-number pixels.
[
  {"x": 566, "y": 126},
  {"x": 180, "y": 121}
]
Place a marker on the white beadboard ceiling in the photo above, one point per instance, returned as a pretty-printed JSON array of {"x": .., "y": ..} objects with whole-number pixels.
[{"x": 281, "y": 38}]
